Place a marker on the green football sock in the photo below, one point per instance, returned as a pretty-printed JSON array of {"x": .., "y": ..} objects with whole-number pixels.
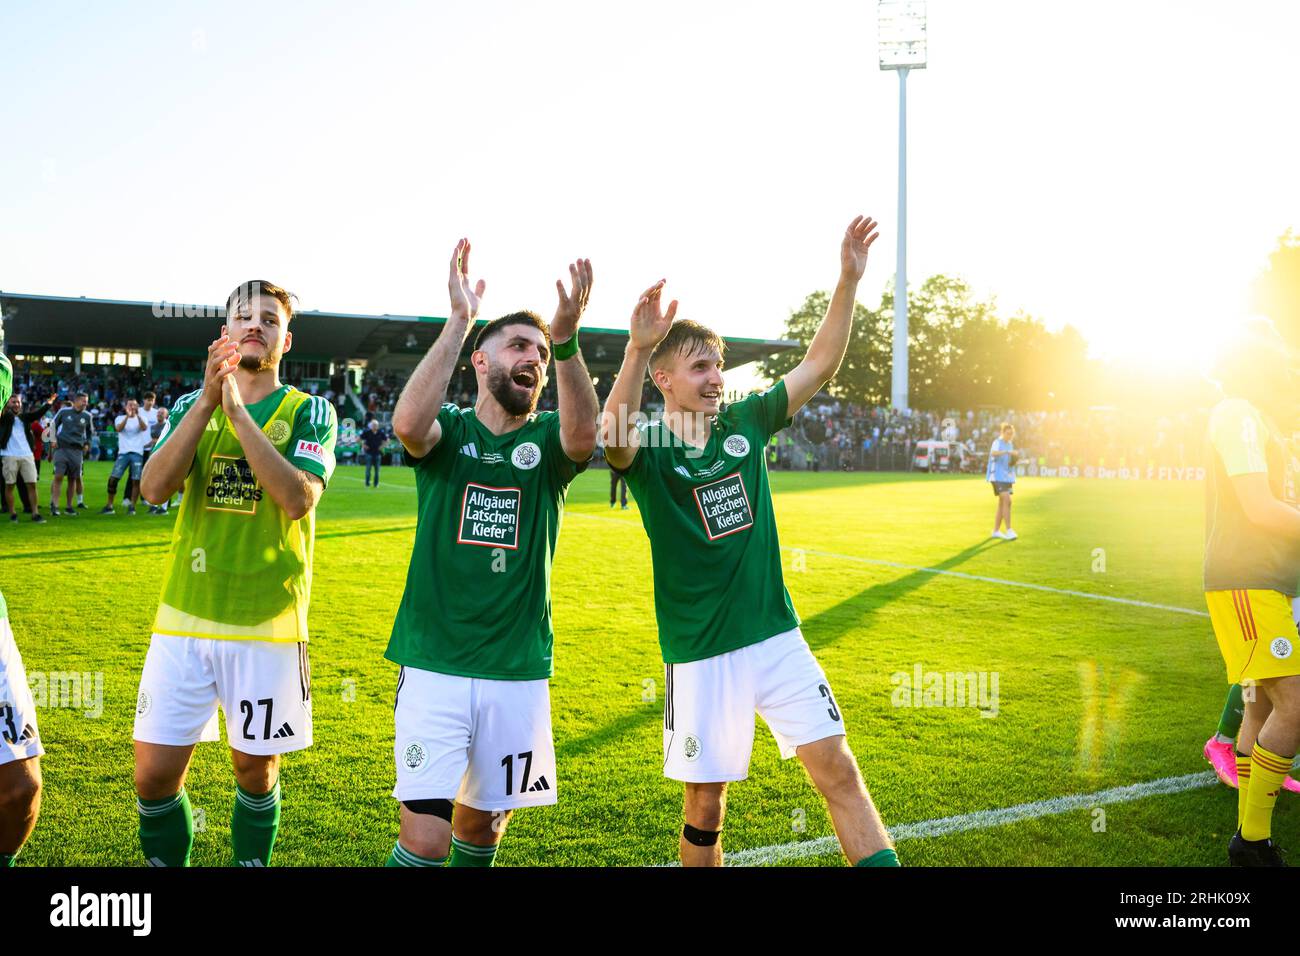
[
  {"x": 1230, "y": 722},
  {"x": 166, "y": 829},
  {"x": 885, "y": 857},
  {"x": 253, "y": 826},
  {"x": 401, "y": 856},
  {"x": 467, "y": 854}
]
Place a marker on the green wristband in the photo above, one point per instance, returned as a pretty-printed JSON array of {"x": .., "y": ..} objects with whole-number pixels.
[{"x": 565, "y": 350}]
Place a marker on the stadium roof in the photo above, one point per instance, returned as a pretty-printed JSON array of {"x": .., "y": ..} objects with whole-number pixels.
[{"x": 36, "y": 322}]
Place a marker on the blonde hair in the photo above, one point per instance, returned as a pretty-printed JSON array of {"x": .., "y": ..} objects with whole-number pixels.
[{"x": 685, "y": 338}]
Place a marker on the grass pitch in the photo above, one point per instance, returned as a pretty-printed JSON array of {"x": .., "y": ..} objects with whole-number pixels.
[{"x": 1092, "y": 695}]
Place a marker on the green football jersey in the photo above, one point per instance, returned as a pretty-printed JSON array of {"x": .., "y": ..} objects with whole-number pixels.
[
  {"x": 239, "y": 567},
  {"x": 713, "y": 544},
  {"x": 6, "y": 389},
  {"x": 1239, "y": 554},
  {"x": 478, "y": 591}
]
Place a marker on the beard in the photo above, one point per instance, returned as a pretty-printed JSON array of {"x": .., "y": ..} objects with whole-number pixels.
[
  {"x": 268, "y": 360},
  {"x": 507, "y": 394}
]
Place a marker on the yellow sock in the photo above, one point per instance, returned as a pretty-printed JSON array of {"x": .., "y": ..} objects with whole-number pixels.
[
  {"x": 1243, "y": 785},
  {"x": 1267, "y": 771}
]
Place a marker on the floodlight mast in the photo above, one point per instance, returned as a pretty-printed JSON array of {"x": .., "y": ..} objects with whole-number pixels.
[{"x": 901, "y": 25}]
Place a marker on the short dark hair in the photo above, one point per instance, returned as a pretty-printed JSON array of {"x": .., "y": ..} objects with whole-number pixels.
[
  {"x": 514, "y": 318},
  {"x": 686, "y": 338},
  {"x": 246, "y": 290},
  {"x": 81, "y": 395},
  {"x": 149, "y": 395}
]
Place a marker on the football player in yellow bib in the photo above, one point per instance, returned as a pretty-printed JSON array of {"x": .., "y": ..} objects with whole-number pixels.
[
  {"x": 1252, "y": 563},
  {"x": 253, "y": 457}
]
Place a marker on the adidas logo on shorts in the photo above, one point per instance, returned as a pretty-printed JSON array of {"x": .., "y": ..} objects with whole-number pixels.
[
  {"x": 539, "y": 785},
  {"x": 284, "y": 731}
]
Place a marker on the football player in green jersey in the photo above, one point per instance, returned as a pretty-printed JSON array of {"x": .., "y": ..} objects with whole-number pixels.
[
  {"x": 473, "y": 631},
  {"x": 727, "y": 628},
  {"x": 253, "y": 457},
  {"x": 20, "y": 742}
]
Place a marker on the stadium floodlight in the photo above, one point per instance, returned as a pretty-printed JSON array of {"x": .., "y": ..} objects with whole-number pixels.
[
  {"x": 901, "y": 32},
  {"x": 901, "y": 26}
]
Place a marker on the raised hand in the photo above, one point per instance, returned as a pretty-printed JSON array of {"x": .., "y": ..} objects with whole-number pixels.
[
  {"x": 650, "y": 323},
  {"x": 857, "y": 241},
  {"x": 223, "y": 359},
  {"x": 464, "y": 297},
  {"x": 572, "y": 303}
]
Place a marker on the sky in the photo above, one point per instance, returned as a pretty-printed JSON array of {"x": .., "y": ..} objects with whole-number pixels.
[{"x": 1124, "y": 167}]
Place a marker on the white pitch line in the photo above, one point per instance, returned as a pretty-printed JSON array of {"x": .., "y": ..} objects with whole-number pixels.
[
  {"x": 1131, "y": 602},
  {"x": 980, "y": 820},
  {"x": 881, "y": 562}
]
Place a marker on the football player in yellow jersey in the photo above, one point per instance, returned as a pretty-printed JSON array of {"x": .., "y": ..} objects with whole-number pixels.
[
  {"x": 253, "y": 457},
  {"x": 1252, "y": 564}
]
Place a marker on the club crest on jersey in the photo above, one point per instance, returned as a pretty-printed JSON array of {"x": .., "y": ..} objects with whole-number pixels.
[
  {"x": 724, "y": 507},
  {"x": 1280, "y": 648},
  {"x": 277, "y": 431},
  {"x": 526, "y": 456},
  {"x": 691, "y": 748},
  {"x": 490, "y": 516},
  {"x": 232, "y": 486},
  {"x": 737, "y": 446},
  {"x": 414, "y": 756}
]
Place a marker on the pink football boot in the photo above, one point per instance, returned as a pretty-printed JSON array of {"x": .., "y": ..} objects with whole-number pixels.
[{"x": 1224, "y": 761}]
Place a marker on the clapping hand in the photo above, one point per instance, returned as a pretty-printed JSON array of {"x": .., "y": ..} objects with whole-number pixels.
[
  {"x": 464, "y": 298},
  {"x": 572, "y": 303},
  {"x": 650, "y": 323}
]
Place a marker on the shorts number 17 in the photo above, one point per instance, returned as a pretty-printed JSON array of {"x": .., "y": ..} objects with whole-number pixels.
[{"x": 508, "y": 761}]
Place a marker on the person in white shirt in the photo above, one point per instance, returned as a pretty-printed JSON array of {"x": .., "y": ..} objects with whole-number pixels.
[
  {"x": 156, "y": 416},
  {"x": 17, "y": 462},
  {"x": 132, "y": 438}
]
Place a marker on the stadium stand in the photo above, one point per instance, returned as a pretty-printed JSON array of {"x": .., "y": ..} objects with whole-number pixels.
[{"x": 113, "y": 349}]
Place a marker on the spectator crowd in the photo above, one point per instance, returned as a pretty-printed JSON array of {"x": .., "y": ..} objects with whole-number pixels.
[
  {"x": 857, "y": 436},
  {"x": 827, "y": 434}
]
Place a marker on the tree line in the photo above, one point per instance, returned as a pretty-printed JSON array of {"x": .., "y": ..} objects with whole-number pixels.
[{"x": 962, "y": 354}]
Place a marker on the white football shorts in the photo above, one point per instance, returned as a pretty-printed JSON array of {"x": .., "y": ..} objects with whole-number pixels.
[
  {"x": 19, "y": 737},
  {"x": 484, "y": 743},
  {"x": 264, "y": 687},
  {"x": 709, "y": 707}
]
